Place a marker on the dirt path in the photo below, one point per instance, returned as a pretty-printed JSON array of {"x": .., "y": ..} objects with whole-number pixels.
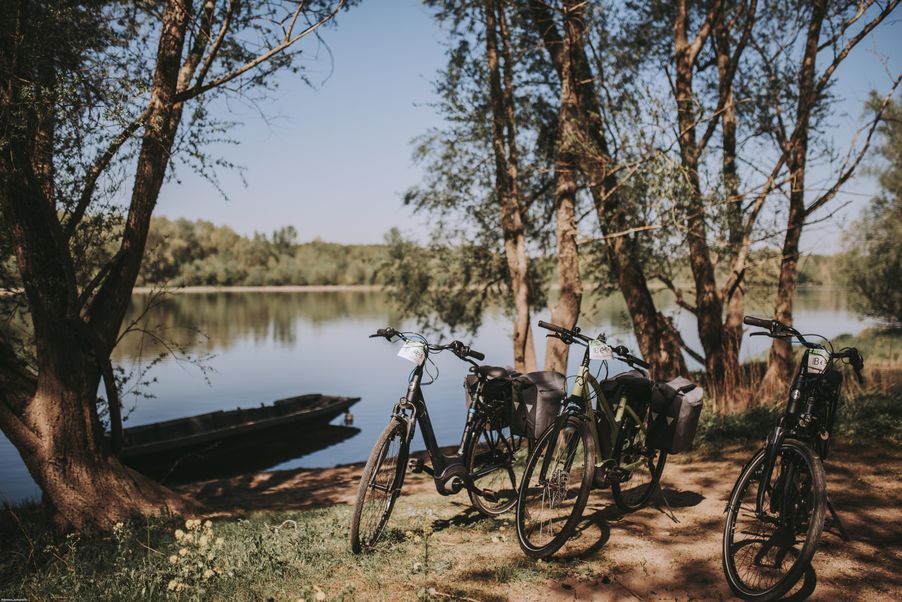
[{"x": 641, "y": 556}]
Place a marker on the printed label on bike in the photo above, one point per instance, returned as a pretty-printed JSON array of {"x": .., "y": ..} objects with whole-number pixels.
[
  {"x": 413, "y": 352},
  {"x": 817, "y": 360},
  {"x": 599, "y": 350}
]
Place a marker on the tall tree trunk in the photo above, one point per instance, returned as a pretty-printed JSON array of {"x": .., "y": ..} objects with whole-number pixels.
[
  {"x": 51, "y": 417},
  {"x": 566, "y": 310},
  {"x": 708, "y": 302},
  {"x": 736, "y": 226},
  {"x": 657, "y": 340},
  {"x": 780, "y": 359},
  {"x": 507, "y": 183}
]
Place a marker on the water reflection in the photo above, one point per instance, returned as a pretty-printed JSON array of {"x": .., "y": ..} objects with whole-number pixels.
[{"x": 273, "y": 345}]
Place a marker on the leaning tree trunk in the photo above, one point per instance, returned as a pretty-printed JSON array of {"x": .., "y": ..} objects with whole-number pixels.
[
  {"x": 657, "y": 339},
  {"x": 780, "y": 359},
  {"x": 507, "y": 189},
  {"x": 708, "y": 302},
  {"x": 51, "y": 416},
  {"x": 566, "y": 311}
]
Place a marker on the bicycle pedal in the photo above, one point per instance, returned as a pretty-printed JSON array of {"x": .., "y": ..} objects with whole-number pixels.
[
  {"x": 415, "y": 465},
  {"x": 490, "y": 495}
]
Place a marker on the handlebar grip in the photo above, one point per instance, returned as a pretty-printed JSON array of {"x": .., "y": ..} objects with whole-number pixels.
[
  {"x": 635, "y": 360},
  {"x": 552, "y": 327},
  {"x": 476, "y": 355},
  {"x": 760, "y": 322}
]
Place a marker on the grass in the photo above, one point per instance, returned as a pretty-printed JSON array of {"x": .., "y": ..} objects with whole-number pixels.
[{"x": 265, "y": 556}]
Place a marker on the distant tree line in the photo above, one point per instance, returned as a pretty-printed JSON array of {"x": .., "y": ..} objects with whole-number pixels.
[{"x": 198, "y": 253}]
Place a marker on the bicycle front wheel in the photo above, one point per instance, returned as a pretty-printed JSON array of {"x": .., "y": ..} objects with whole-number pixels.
[
  {"x": 555, "y": 488},
  {"x": 379, "y": 487},
  {"x": 492, "y": 457},
  {"x": 766, "y": 553},
  {"x": 644, "y": 467}
]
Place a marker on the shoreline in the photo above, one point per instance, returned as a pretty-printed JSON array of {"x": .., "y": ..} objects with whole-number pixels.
[{"x": 267, "y": 288}]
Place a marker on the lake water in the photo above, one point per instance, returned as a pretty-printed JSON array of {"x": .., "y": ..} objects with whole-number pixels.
[{"x": 262, "y": 346}]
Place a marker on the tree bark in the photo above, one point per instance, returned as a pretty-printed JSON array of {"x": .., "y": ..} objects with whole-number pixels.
[
  {"x": 566, "y": 310},
  {"x": 507, "y": 183},
  {"x": 780, "y": 358},
  {"x": 708, "y": 301},
  {"x": 736, "y": 223},
  {"x": 657, "y": 340},
  {"x": 51, "y": 416}
]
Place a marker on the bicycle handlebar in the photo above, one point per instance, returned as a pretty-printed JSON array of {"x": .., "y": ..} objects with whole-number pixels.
[
  {"x": 759, "y": 322},
  {"x": 567, "y": 336},
  {"x": 459, "y": 349}
]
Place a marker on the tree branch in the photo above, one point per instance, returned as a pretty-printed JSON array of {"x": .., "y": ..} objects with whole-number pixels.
[
  {"x": 850, "y": 170},
  {"x": 680, "y": 300},
  {"x": 200, "y": 88}
]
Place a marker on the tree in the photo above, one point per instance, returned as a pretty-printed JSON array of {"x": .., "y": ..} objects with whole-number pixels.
[
  {"x": 507, "y": 184},
  {"x": 617, "y": 215},
  {"x": 873, "y": 261},
  {"x": 810, "y": 96},
  {"x": 65, "y": 69}
]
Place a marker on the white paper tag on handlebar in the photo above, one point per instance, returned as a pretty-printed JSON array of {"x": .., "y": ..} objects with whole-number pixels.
[
  {"x": 599, "y": 350},
  {"x": 817, "y": 360},
  {"x": 414, "y": 352}
]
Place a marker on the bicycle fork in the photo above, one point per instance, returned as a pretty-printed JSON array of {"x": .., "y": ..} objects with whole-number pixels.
[{"x": 772, "y": 450}]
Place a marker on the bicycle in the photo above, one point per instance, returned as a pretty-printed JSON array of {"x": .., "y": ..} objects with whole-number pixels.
[
  {"x": 562, "y": 467},
  {"x": 483, "y": 463},
  {"x": 779, "y": 502}
]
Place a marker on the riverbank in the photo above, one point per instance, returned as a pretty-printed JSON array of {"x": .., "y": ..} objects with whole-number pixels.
[
  {"x": 283, "y": 536},
  {"x": 282, "y": 288}
]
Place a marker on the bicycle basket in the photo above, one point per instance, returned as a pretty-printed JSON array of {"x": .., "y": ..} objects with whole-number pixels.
[
  {"x": 537, "y": 399},
  {"x": 675, "y": 410}
]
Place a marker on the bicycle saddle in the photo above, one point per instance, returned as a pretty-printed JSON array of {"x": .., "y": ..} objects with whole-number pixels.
[{"x": 489, "y": 371}]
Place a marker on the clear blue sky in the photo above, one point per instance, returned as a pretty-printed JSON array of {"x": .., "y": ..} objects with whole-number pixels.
[{"x": 334, "y": 161}]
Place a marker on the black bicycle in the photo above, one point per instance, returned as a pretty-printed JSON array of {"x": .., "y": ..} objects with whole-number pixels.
[
  {"x": 776, "y": 512},
  {"x": 603, "y": 446},
  {"x": 483, "y": 464}
]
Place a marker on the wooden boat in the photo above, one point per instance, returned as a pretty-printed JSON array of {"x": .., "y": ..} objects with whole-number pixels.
[{"x": 292, "y": 427}]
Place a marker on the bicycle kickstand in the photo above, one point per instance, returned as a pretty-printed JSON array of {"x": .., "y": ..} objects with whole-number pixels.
[
  {"x": 843, "y": 534},
  {"x": 670, "y": 513}
]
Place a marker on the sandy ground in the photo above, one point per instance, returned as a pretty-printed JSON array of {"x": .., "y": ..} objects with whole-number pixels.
[{"x": 646, "y": 555}]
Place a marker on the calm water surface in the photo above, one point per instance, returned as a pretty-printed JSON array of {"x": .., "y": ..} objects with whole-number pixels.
[{"x": 258, "y": 347}]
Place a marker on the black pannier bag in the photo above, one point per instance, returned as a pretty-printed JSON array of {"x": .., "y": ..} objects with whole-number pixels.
[
  {"x": 675, "y": 409},
  {"x": 634, "y": 385},
  {"x": 537, "y": 399},
  {"x": 495, "y": 390}
]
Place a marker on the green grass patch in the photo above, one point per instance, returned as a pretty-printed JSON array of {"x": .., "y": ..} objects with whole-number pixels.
[{"x": 867, "y": 417}]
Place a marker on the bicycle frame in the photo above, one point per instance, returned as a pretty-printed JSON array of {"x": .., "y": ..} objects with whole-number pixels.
[
  {"x": 794, "y": 416},
  {"x": 449, "y": 473},
  {"x": 580, "y": 403}
]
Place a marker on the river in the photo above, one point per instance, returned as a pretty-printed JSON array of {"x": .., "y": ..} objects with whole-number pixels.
[{"x": 255, "y": 347}]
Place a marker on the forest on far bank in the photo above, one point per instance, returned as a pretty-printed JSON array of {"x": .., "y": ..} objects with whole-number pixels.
[{"x": 182, "y": 252}]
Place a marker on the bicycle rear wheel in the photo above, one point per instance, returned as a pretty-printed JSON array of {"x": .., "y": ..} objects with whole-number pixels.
[
  {"x": 645, "y": 466},
  {"x": 550, "y": 506},
  {"x": 765, "y": 555},
  {"x": 380, "y": 485},
  {"x": 492, "y": 457}
]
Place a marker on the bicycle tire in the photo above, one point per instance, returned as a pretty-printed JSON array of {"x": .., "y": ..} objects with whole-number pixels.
[
  {"x": 814, "y": 528},
  {"x": 528, "y": 539},
  {"x": 503, "y": 453},
  {"x": 365, "y": 539},
  {"x": 637, "y": 496}
]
